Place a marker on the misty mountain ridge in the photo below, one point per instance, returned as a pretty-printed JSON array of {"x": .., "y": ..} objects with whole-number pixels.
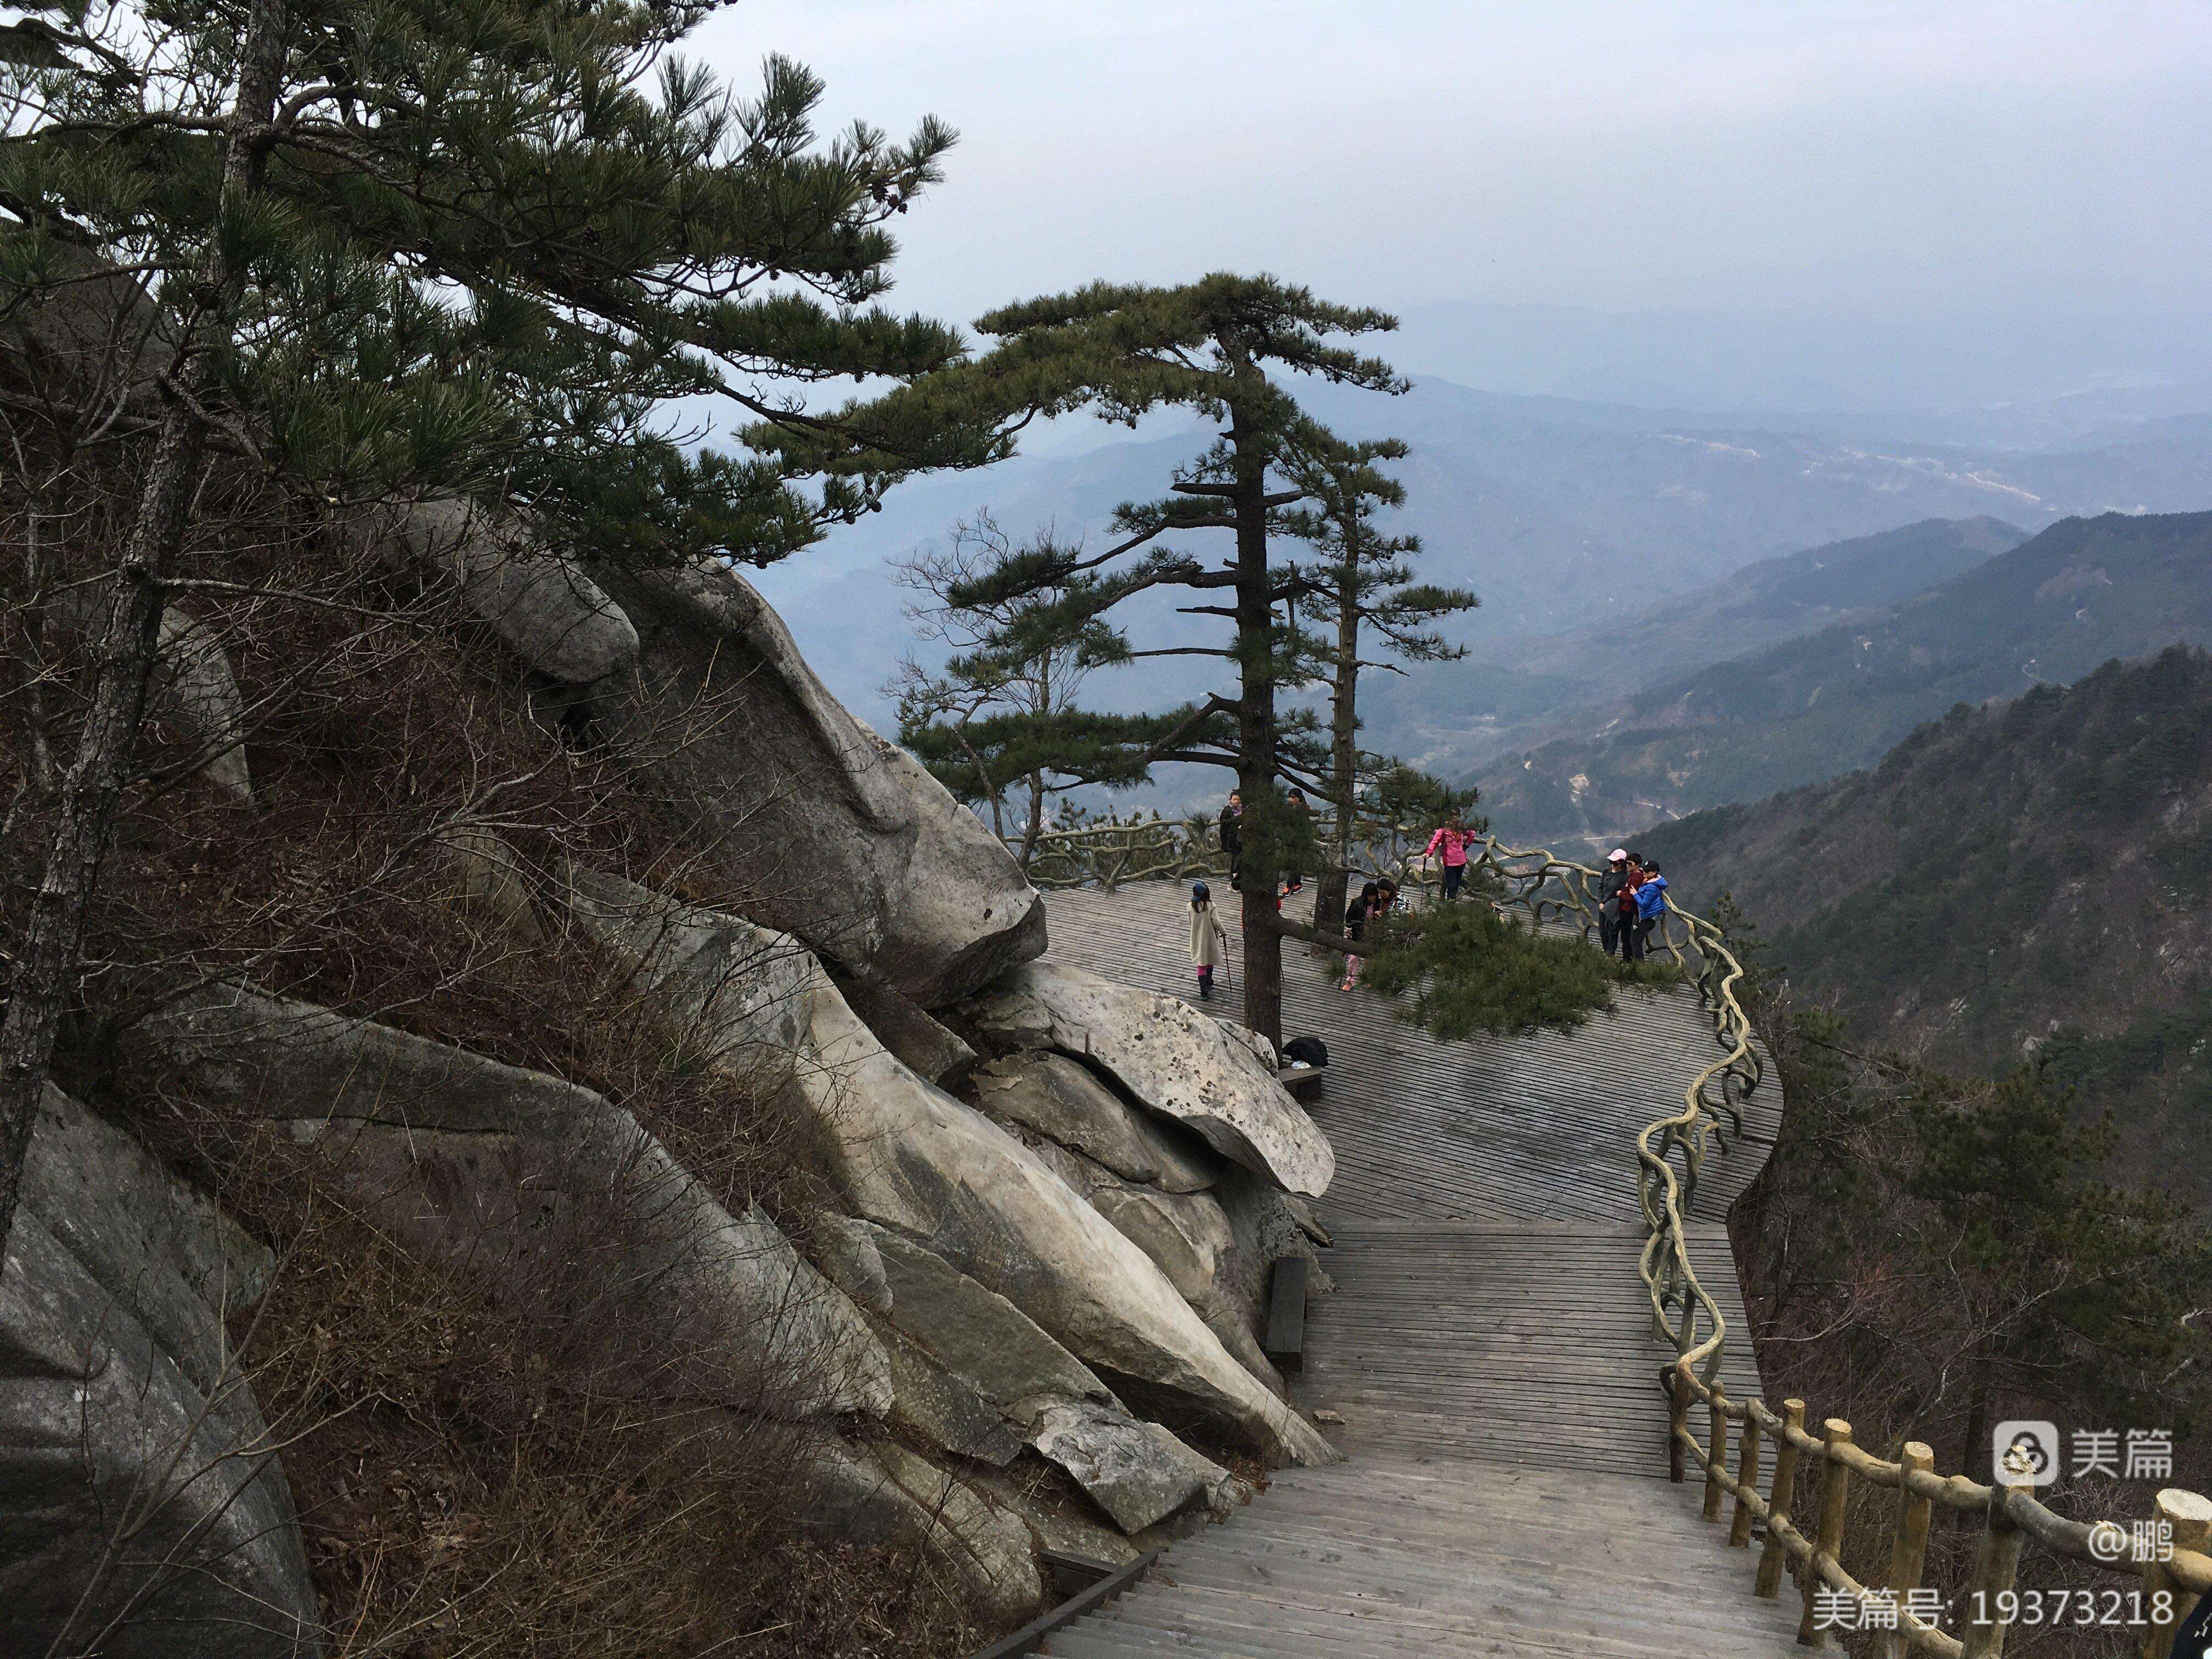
[
  {"x": 2047, "y": 612},
  {"x": 1521, "y": 693},
  {"x": 1989, "y": 380},
  {"x": 1560, "y": 513}
]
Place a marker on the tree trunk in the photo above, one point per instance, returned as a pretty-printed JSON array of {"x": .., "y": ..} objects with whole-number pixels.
[
  {"x": 1264, "y": 812},
  {"x": 123, "y": 660},
  {"x": 1343, "y": 750},
  {"x": 1034, "y": 827}
]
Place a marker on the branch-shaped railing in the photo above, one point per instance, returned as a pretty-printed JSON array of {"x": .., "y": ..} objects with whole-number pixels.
[{"x": 2167, "y": 1556}]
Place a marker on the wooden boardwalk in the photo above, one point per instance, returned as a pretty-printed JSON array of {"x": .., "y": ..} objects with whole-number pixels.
[{"x": 1488, "y": 1345}]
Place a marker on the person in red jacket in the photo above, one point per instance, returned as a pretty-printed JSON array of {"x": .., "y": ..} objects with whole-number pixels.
[
  {"x": 1452, "y": 840},
  {"x": 1631, "y": 940}
]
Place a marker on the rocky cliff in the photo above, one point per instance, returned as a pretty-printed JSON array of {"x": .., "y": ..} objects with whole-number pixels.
[{"x": 566, "y": 967}]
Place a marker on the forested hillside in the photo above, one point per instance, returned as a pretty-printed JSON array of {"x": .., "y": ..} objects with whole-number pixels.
[
  {"x": 2015, "y": 881},
  {"x": 2045, "y": 613}
]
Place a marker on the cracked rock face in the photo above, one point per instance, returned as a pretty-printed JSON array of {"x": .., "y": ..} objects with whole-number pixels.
[
  {"x": 1060, "y": 1100},
  {"x": 1191, "y": 1238},
  {"x": 1166, "y": 1053},
  {"x": 1139, "y": 1473},
  {"x": 882, "y": 1493},
  {"x": 121, "y": 1403},
  {"x": 828, "y": 832}
]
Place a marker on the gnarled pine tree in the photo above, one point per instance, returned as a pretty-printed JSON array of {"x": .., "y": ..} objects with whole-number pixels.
[{"x": 1214, "y": 346}]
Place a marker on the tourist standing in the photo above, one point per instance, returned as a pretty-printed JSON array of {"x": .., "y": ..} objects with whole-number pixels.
[
  {"x": 1232, "y": 838},
  {"x": 1608, "y": 898},
  {"x": 1355, "y": 927},
  {"x": 1209, "y": 940},
  {"x": 1650, "y": 905},
  {"x": 1625, "y": 911},
  {"x": 1450, "y": 839}
]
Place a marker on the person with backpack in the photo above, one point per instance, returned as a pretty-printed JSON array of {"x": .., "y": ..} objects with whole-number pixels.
[
  {"x": 1650, "y": 905},
  {"x": 1355, "y": 927},
  {"x": 1608, "y": 899},
  {"x": 1451, "y": 838},
  {"x": 1209, "y": 940}
]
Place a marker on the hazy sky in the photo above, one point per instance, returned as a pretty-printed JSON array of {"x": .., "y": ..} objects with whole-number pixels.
[{"x": 1952, "y": 158}]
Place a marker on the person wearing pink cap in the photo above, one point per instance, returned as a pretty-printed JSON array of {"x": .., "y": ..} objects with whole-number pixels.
[{"x": 1608, "y": 900}]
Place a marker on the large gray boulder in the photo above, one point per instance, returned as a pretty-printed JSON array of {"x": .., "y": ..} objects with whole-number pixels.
[
  {"x": 539, "y": 602},
  {"x": 138, "y": 1483},
  {"x": 821, "y": 828},
  {"x": 193, "y": 691},
  {"x": 556, "y": 1196},
  {"x": 1166, "y": 1053},
  {"x": 1189, "y": 1235},
  {"x": 1139, "y": 1473},
  {"x": 1062, "y": 1101},
  {"x": 910, "y": 1158}
]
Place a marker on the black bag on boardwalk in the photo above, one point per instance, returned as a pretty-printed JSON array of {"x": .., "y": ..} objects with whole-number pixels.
[{"x": 1306, "y": 1051}]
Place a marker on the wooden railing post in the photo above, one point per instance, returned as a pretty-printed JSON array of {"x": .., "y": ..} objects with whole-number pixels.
[
  {"x": 2191, "y": 1517},
  {"x": 1778, "y": 1498},
  {"x": 1835, "y": 1499},
  {"x": 1717, "y": 1443},
  {"x": 1994, "y": 1571},
  {"x": 1746, "y": 1480},
  {"x": 1908, "y": 1545},
  {"x": 1678, "y": 1419}
]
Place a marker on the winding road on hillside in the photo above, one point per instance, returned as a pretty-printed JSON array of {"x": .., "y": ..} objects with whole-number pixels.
[{"x": 1487, "y": 1345}]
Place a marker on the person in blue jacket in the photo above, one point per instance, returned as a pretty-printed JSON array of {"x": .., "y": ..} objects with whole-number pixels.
[{"x": 1650, "y": 903}]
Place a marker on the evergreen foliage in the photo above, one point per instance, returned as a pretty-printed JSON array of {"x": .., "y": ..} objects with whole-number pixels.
[
  {"x": 480, "y": 248},
  {"x": 370, "y": 250},
  {"x": 1934, "y": 1253},
  {"x": 1461, "y": 969},
  {"x": 1214, "y": 346},
  {"x": 1363, "y": 597}
]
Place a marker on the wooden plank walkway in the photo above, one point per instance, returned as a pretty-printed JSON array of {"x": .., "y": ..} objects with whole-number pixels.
[{"x": 1488, "y": 1345}]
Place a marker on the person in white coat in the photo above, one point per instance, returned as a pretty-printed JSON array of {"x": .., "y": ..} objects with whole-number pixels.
[{"x": 1209, "y": 940}]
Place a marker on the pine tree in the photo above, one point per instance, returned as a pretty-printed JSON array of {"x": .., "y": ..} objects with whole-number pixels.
[
  {"x": 980, "y": 722},
  {"x": 1363, "y": 585},
  {"x": 1214, "y": 346},
  {"x": 430, "y": 244}
]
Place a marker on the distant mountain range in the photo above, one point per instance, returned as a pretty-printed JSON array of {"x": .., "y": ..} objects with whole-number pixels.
[
  {"x": 2047, "y": 612},
  {"x": 1562, "y": 515},
  {"x": 2026, "y": 879},
  {"x": 1518, "y": 693}
]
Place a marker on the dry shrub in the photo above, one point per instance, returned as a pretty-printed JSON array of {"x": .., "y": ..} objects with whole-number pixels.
[{"x": 459, "y": 1499}]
